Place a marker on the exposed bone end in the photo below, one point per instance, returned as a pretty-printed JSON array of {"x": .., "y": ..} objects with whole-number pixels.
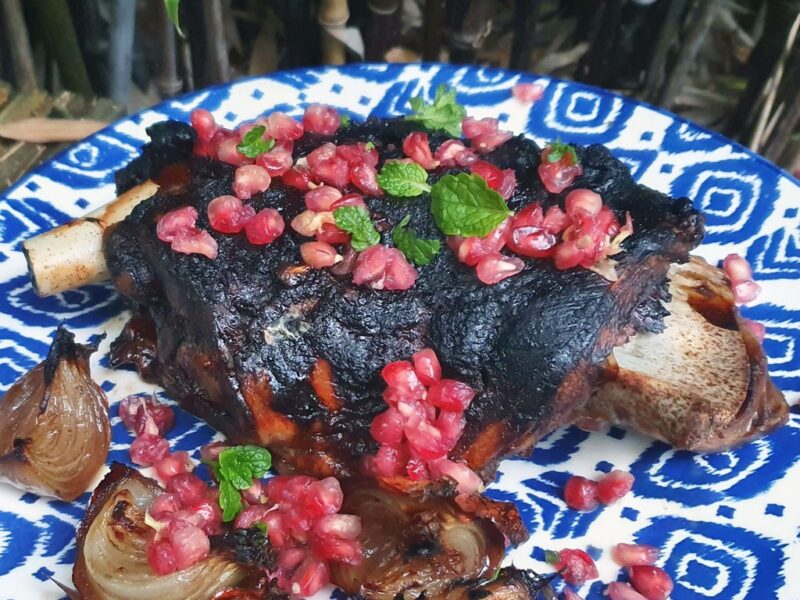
[{"x": 71, "y": 256}]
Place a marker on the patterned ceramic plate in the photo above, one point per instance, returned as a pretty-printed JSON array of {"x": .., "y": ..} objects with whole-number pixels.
[{"x": 727, "y": 523}]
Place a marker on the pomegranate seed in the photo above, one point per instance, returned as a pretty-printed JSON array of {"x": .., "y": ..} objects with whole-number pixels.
[
  {"x": 172, "y": 465},
  {"x": 370, "y": 269},
  {"x": 737, "y": 268},
  {"x": 492, "y": 174},
  {"x": 283, "y": 127},
  {"x": 161, "y": 558},
  {"x": 614, "y": 486},
  {"x": 252, "y": 515},
  {"x": 417, "y": 147},
  {"x": 348, "y": 262},
  {"x": 496, "y": 267},
  {"x": 529, "y": 235},
  {"x": 276, "y": 162},
  {"x": 319, "y": 254},
  {"x": 528, "y": 92},
  {"x": 474, "y": 249},
  {"x": 350, "y": 200},
  {"x": 489, "y": 141},
  {"x": 450, "y": 395},
  {"x": 417, "y": 470},
  {"x": 320, "y": 153},
  {"x": 745, "y": 292},
  {"x": 634, "y": 555},
  {"x": 400, "y": 374},
  {"x": 210, "y": 452},
  {"x": 309, "y": 578},
  {"x": 297, "y": 177},
  {"x": 175, "y": 222},
  {"x": 265, "y": 227},
  {"x": 207, "y": 515},
  {"x": 583, "y": 201},
  {"x": 578, "y": 567},
  {"x": 581, "y": 493},
  {"x": 195, "y": 241},
  {"x": 228, "y": 153},
  {"x": 365, "y": 178},
  {"x": 651, "y": 582},
  {"x": 426, "y": 366},
  {"x": 473, "y": 128},
  {"x": 425, "y": 441},
  {"x": 141, "y": 412},
  {"x": 164, "y": 506},
  {"x": 387, "y": 427},
  {"x": 467, "y": 480},
  {"x": 331, "y": 234},
  {"x": 323, "y": 497},
  {"x": 400, "y": 274},
  {"x": 345, "y": 527},
  {"x": 388, "y": 461},
  {"x": 148, "y": 449},
  {"x": 203, "y": 123},
  {"x": 226, "y": 214},
  {"x": 189, "y": 543},
  {"x": 333, "y": 171},
  {"x": 454, "y": 153},
  {"x": 356, "y": 154},
  {"x": 322, "y": 198},
  {"x": 256, "y": 493},
  {"x": 321, "y": 119},
  {"x": 189, "y": 488},
  {"x": 559, "y": 175},
  {"x": 508, "y": 185},
  {"x": 309, "y": 223},
  {"x": 250, "y": 179},
  {"x": 622, "y": 591}
]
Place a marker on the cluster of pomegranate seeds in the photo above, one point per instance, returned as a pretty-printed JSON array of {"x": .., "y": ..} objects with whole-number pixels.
[
  {"x": 502, "y": 181},
  {"x": 484, "y": 134},
  {"x": 321, "y": 119},
  {"x": 483, "y": 253},
  {"x": 453, "y": 153},
  {"x": 149, "y": 420},
  {"x": 528, "y": 92},
  {"x": 740, "y": 273},
  {"x": 305, "y": 528},
  {"x": 417, "y": 147},
  {"x": 576, "y": 566},
  {"x": 178, "y": 229},
  {"x": 648, "y": 582},
  {"x": 533, "y": 232},
  {"x": 423, "y": 423},
  {"x": 586, "y": 495},
  {"x": 382, "y": 268},
  {"x": 559, "y": 167}
]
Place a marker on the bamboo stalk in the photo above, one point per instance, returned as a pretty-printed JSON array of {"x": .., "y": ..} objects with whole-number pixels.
[
  {"x": 62, "y": 44},
  {"x": 71, "y": 256},
  {"x": 526, "y": 14},
  {"x": 218, "y": 46},
  {"x": 700, "y": 21},
  {"x": 383, "y": 29},
  {"x": 779, "y": 141},
  {"x": 667, "y": 36},
  {"x": 123, "y": 23},
  {"x": 19, "y": 45},
  {"x": 168, "y": 82}
]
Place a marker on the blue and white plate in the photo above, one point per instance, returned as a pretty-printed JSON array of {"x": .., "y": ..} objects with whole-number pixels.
[{"x": 728, "y": 524}]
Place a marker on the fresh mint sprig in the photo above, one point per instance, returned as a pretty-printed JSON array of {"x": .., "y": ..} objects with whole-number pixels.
[
  {"x": 356, "y": 221},
  {"x": 405, "y": 180},
  {"x": 253, "y": 143},
  {"x": 445, "y": 113},
  {"x": 236, "y": 469},
  {"x": 558, "y": 149},
  {"x": 418, "y": 250},
  {"x": 465, "y": 205}
]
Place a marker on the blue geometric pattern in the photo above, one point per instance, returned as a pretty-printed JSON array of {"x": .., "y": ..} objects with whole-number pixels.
[{"x": 727, "y": 524}]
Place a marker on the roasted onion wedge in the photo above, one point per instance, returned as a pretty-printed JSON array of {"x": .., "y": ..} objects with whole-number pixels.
[
  {"x": 415, "y": 545},
  {"x": 54, "y": 429},
  {"x": 111, "y": 562}
]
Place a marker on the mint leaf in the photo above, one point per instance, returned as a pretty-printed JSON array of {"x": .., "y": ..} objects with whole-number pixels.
[
  {"x": 173, "y": 7},
  {"x": 369, "y": 145},
  {"x": 344, "y": 121},
  {"x": 240, "y": 465},
  {"x": 557, "y": 150},
  {"x": 405, "y": 180},
  {"x": 356, "y": 221},
  {"x": 253, "y": 143},
  {"x": 552, "y": 557},
  {"x": 230, "y": 501},
  {"x": 445, "y": 113},
  {"x": 261, "y": 526},
  {"x": 464, "y": 205},
  {"x": 417, "y": 250}
]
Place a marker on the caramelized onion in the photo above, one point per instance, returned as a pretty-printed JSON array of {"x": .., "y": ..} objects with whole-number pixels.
[
  {"x": 415, "y": 545},
  {"x": 111, "y": 561},
  {"x": 54, "y": 429}
]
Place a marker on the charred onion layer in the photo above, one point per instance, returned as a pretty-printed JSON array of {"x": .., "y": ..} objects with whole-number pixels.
[{"x": 54, "y": 429}]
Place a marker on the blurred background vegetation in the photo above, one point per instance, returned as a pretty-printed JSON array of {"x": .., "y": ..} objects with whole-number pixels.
[{"x": 731, "y": 65}]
